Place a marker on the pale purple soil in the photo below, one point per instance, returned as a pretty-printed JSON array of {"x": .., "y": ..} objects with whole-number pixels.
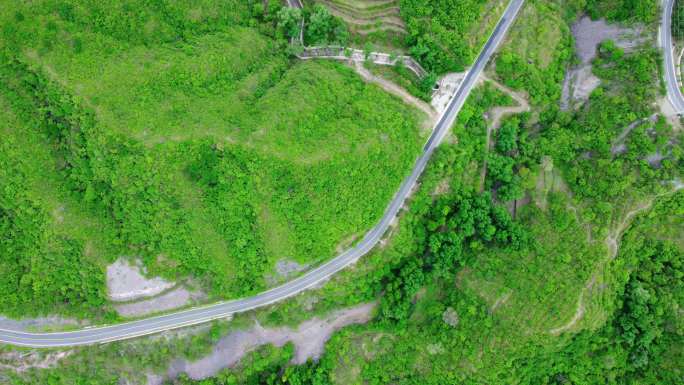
[
  {"x": 309, "y": 340},
  {"x": 126, "y": 281},
  {"x": 580, "y": 81}
]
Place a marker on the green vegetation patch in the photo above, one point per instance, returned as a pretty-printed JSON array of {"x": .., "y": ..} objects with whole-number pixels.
[
  {"x": 440, "y": 32},
  {"x": 200, "y": 148},
  {"x": 538, "y": 49},
  {"x": 644, "y": 11},
  {"x": 402, "y": 76},
  {"x": 49, "y": 258},
  {"x": 370, "y": 22}
]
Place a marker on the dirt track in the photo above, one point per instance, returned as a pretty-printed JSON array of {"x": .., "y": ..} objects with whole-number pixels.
[{"x": 496, "y": 115}]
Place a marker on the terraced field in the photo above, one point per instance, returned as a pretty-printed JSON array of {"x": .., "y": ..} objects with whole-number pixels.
[
  {"x": 368, "y": 16},
  {"x": 377, "y": 23}
]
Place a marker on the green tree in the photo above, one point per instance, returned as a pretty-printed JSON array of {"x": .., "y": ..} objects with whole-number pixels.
[{"x": 289, "y": 22}]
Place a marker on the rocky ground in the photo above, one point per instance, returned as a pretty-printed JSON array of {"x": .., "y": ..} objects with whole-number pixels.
[
  {"x": 135, "y": 294},
  {"x": 309, "y": 340},
  {"x": 126, "y": 281},
  {"x": 579, "y": 80}
]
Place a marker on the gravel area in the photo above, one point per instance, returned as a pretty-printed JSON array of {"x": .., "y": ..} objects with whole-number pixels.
[
  {"x": 284, "y": 267},
  {"x": 448, "y": 85},
  {"x": 580, "y": 81},
  {"x": 655, "y": 159},
  {"x": 678, "y": 184},
  {"x": 670, "y": 114},
  {"x": 171, "y": 300},
  {"x": 126, "y": 281},
  {"x": 590, "y": 33},
  {"x": 578, "y": 85},
  {"x": 309, "y": 340}
]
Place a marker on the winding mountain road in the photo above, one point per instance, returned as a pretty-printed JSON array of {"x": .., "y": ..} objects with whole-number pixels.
[
  {"x": 195, "y": 316},
  {"x": 674, "y": 92}
]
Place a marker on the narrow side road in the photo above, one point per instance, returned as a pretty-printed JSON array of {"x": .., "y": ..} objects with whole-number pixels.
[
  {"x": 398, "y": 91},
  {"x": 195, "y": 316}
]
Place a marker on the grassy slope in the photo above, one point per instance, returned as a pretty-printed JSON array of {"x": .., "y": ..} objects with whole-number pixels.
[
  {"x": 323, "y": 160},
  {"x": 67, "y": 216},
  {"x": 537, "y": 38},
  {"x": 537, "y": 48},
  {"x": 53, "y": 250},
  {"x": 446, "y": 35}
]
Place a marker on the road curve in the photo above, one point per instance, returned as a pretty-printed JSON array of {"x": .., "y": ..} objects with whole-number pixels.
[
  {"x": 674, "y": 92},
  {"x": 195, "y": 316}
]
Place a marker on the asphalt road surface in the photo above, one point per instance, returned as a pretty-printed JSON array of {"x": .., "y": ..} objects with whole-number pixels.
[
  {"x": 674, "y": 92},
  {"x": 195, "y": 316}
]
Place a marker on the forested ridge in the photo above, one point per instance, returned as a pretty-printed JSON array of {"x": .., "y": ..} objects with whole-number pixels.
[{"x": 165, "y": 145}]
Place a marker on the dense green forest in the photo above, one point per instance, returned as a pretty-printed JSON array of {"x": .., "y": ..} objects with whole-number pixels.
[
  {"x": 440, "y": 33},
  {"x": 644, "y": 11},
  {"x": 191, "y": 139}
]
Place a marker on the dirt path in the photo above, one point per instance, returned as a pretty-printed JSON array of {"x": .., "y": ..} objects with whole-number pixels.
[
  {"x": 394, "y": 89},
  {"x": 500, "y": 301},
  {"x": 496, "y": 115},
  {"x": 612, "y": 241}
]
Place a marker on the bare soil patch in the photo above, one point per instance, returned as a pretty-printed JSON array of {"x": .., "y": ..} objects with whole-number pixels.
[
  {"x": 21, "y": 361},
  {"x": 126, "y": 281},
  {"x": 309, "y": 340},
  {"x": 173, "y": 299},
  {"x": 580, "y": 81}
]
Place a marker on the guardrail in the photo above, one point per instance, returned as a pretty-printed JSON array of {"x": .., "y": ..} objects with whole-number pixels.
[{"x": 345, "y": 53}]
